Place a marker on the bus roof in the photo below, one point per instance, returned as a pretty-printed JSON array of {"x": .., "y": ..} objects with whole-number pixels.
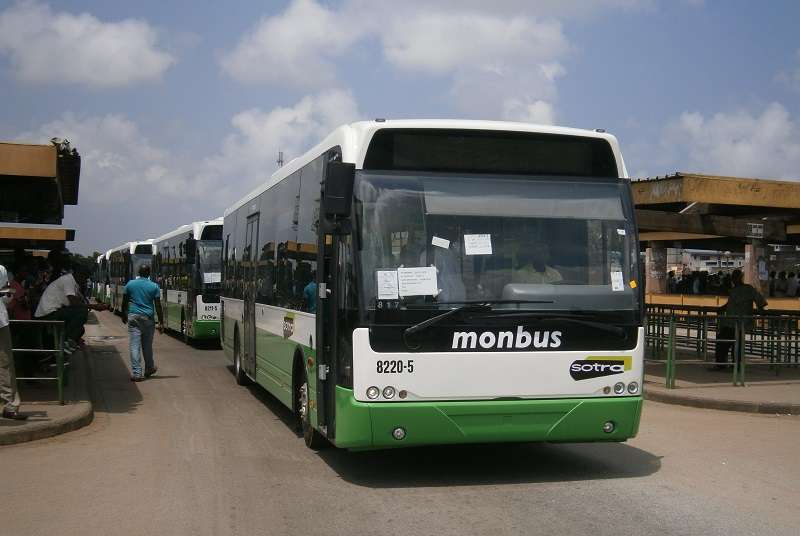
[
  {"x": 195, "y": 228},
  {"x": 130, "y": 246},
  {"x": 354, "y": 140}
]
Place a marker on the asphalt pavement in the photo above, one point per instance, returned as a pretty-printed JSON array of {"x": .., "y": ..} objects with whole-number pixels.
[{"x": 190, "y": 452}]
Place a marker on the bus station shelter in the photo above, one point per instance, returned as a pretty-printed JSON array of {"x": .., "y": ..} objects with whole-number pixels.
[
  {"x": 37, "y": 181},
  {"x": 695, "y": 211}
]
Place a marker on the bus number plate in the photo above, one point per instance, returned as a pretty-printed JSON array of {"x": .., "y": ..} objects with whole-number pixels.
[{"x": 394, "y": 366}]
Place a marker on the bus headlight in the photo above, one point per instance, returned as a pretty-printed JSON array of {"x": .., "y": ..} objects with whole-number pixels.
[
  {"x": 633, "y": 388},
  {"x": 389, "y": 392},
  {"x": 619, "y": 388},
  {"x": 373, "y": 393}
]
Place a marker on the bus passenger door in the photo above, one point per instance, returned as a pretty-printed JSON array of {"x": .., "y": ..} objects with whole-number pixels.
[{"x": 250, "y": 256}]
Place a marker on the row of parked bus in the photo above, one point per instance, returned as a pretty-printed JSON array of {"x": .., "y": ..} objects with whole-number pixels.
[
  {"x": 423, "y": 282},
  {"x": 186, "y": 263}
]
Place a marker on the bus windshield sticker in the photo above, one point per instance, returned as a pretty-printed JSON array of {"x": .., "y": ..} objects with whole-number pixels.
[
  {"x": 387, "y": 284},
  {"x": 212, "y": 277},
  {"x": 440, "y": 242},
  {"x": 419, "y": 281},
  {"x": 616, "y": 282},
  {"x": 478, "y": 244}
]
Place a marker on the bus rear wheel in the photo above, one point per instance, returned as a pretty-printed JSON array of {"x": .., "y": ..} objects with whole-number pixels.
[
  {"x": 312, "y": 438},
  {"x": 238, "y": 371}
]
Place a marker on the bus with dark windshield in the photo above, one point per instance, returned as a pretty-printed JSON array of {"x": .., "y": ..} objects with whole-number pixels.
[
  {"x": 188, "y": 266},
  {"x": 422, "y": 282},
  {"x": 123, "y": 265}
]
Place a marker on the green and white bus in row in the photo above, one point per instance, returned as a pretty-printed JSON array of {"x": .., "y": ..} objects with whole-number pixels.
[
  {"x": 187, "y": 265},
  {"x": 100, "y": 278},
  {"x": 422, "y": 282},
  {"x": 123, "y": 265}
]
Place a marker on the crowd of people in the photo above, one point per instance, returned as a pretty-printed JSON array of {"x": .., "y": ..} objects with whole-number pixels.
[
  {"x": 34, "y": 288},
  {"x": 781, "y": 284}
]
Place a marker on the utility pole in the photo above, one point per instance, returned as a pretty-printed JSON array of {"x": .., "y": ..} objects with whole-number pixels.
[{"x": 280, "y": 158}]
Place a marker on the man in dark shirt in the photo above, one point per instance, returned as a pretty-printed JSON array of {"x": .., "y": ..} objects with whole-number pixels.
[{"x": 738, "y": 309}]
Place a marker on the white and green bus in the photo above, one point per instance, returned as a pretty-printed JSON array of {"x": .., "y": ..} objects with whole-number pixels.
[
  {"x": 187, "y": 265},
  {"x": 100, "y": 278},
  {"x": 123, "y": 265},
  {"x": 422, "y": 282}
]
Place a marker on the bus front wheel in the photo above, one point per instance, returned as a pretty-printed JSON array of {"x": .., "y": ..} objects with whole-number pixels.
[{"x": 312, "y": 438}]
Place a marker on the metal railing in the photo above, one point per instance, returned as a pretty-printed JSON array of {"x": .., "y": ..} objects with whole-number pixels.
[
  {"x": 55, "y": 330},
  {"x": 770, "y": 339}
]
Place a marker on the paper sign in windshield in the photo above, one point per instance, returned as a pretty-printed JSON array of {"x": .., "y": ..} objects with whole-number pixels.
[
  {"x": 616, "y": 282},
  {"x": 478, "y": 244},
  {"x": 387, "y": 284},
  {"x": 440, "y": 242},
  {"x": 212, "y": 277},
  {"x": 419, "y": 281}
]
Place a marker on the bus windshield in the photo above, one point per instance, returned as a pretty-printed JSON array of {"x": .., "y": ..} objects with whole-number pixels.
[
  {"x": 544, "y": 243},
  {"x": 137, "y": 261},
  {"x": 209, "y": 257}
]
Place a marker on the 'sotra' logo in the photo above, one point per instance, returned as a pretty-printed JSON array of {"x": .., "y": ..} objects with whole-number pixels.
[
  {"x": 288, "y": 326},
  {"x": 519, "y": 340},
  {"x": 599, "y": 366}
]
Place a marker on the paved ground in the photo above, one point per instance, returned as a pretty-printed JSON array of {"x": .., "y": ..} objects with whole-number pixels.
[
  {"x": 191, "y": 453},
  {"x": 767, "y": 390}
]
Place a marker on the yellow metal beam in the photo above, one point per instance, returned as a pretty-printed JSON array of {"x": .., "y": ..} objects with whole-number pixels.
[
  {"x": 33, "y": 233},
  {"x": 27, "y": 160},
  {"x": 696, "y": 188},
  {"x": 673, "y": 236}
]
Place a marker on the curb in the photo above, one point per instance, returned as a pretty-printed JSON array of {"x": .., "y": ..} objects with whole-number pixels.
[
  {"x": 725, "y": 405},
  {"x": 81, "y": 414}
]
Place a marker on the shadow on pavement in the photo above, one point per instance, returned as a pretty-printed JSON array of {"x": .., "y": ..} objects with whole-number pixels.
[
  {"x": 475, "y": 465},
  {"x": 197, "y": 344},
  {"x": 113, "y": 388}
]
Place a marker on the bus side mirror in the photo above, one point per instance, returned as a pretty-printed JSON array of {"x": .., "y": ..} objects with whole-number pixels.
[
  {"x": 337, "y": 195},
  {"x": 191, "y": 250}
]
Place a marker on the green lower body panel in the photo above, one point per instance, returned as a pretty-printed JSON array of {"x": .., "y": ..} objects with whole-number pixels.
[
  {"x": 205, "y": 329},
  {"x": 361, "y": 425}
]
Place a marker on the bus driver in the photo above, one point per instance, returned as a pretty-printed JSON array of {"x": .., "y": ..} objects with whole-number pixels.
[{"x": 532, "y": 266}]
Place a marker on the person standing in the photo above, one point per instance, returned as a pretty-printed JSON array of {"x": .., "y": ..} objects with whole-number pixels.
[
  {"x": 739, "y": 308},
  {"x": 8, "y": 380},
  {"x": 141, "y": 301}
]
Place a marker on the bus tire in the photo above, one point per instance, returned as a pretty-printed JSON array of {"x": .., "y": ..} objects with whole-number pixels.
[
  {"x": 238, "y": 371},
  {"x": 312, "y": 438}
]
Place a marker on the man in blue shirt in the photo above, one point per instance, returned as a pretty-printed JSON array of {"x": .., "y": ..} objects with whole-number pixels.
[{"x": 141, "y": 300}]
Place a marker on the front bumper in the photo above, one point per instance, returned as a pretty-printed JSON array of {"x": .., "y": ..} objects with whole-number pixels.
[{"x": 365, "y": 425}]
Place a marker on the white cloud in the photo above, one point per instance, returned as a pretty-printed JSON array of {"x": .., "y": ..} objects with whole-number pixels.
[
  {"x": 132, "y": 189},
  {"x": 294, "y": 48},
  {"x": 764, "y": 144},
  {"x": 501, "y": 59},
  {"x": 250, "y": 152},
  {"x": 48, "y": 47},
  {"x": 791, "y": 78},
  {"x": 116, "y": 159}
]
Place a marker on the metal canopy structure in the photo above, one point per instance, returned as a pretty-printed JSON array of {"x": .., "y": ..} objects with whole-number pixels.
[
  {"x": 714, "y": 212},
  {"x": 695, "y": 211},
  {"x": 38, "y": 181}
]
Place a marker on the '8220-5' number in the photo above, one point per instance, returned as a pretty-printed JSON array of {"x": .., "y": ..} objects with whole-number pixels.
[{"x": 394, "y": 366}]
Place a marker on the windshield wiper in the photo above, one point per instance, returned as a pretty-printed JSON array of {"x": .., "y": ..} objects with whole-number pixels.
[
  {"x": 468, "y": 308},
  {"x": 577, "y": 318}
]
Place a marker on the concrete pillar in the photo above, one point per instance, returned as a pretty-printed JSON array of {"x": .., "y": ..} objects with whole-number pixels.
[
  {"x": 756, "y": 266},
  {"x": 656, "y": 269}
]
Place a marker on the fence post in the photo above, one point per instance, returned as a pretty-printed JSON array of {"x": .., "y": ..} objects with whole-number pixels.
[
  {"x": 738, "y": 352},
  {"x": 671, "y": 354}
]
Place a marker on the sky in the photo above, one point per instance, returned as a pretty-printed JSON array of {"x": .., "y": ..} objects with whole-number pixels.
[{"x": 179, "y": 108}]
